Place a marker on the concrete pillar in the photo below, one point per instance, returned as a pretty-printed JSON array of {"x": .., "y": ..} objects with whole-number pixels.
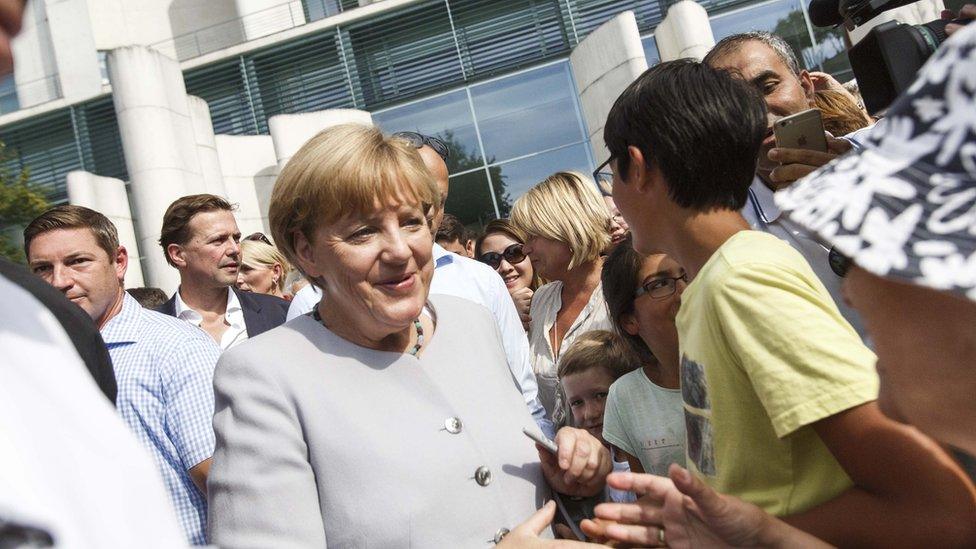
[
  {"x": 203, "y": 133},
  {"x": 290, "y": 131},
  {"x": 108, "y": 196},
  {"x": 36, "y": 71},
  {"x": 249, "y": 167},
  {"x": 263, "y": 17},
  {"x": 73, "y": 44},
  {"x": 605, "y": 63},
  {"x": 917, "y": 13},
  {"x": 159, "y": 145},
  {"x": 685, "y": 32}
]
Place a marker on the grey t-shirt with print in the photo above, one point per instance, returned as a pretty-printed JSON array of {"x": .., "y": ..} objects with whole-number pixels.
[{"x": 646, "y": 421}]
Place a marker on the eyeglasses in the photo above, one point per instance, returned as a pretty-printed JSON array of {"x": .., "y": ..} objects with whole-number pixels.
[
  {"x": 839, "y": 263},
  {"x": 259, "y": 237},
  {"x": 661, "y": 287},
  {"x": 513, "y": 254},
  {"x": 603, "y": 174},
  {"x": 418, "y": 140}
]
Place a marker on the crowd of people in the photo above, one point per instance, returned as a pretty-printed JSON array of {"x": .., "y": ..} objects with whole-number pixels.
[{"x": 725, "y": 342}]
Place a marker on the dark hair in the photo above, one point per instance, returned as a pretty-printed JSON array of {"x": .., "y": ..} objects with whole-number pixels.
[
  {"x": 149, "y": 298},
  {"x": 699, "y": 126},
  {"x": 620, "y": 279},
  {"x": 176, "y": 220},
  {"x": 451, "y": 229},
  {"x": 74, "y": 217},
  {"x": 732, "y": 43},
  {"x": 505, "y": 227}
]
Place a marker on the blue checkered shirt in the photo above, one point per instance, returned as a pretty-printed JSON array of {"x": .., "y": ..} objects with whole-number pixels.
[{"x": 164, "y": 369}]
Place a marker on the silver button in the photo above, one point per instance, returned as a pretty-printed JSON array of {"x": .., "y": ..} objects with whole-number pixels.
[
  {"x": 500, "y": 534},
  {"x": 453, "y": 425},
  {"x": 483, "y": 475}
]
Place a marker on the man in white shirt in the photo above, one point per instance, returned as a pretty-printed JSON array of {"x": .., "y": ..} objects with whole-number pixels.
[
  {"x": 768, "y": 63},
  {"x": 201, "y": 239}
]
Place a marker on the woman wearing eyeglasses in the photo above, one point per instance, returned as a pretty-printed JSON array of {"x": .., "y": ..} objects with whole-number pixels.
[
  {"x": 502, "y": 247},
  {"x": 565, "y": 222},
  {"x": 644, "y": 416}
]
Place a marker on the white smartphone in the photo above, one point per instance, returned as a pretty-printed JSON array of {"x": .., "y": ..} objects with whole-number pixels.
[
  {"x": 542, "y": 440},
  {"x": 803, "y": 130}
]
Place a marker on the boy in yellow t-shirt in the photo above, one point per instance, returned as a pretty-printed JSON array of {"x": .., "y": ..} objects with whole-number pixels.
[{"x": 778, "y": 390}]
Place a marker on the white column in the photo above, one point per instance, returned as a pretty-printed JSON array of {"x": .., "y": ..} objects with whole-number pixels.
[
  {"x": 73, "y": 45},
  {"x": 203, "y": 133},
  {"x": 263, "y": 17},
  {"x": 249, "y": 167},
  {"x": 605, "y": 63},
  {"x": 159, "y": 145},
  {"x": 290, "y": 131},
  {"x": 685, "y": 32},
  {"x": 36, "y": 71},
  {"x": 107, "y": 195}
]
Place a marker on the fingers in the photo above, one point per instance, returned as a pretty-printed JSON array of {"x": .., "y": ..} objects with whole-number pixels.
[
  {"x": 566, "y": 442},
  {"x": 800, "y": 156},
  {"x": 642, "y": 536},
  {"x": 642, "y": 512},
  {"x": 539, "y": 521},
  {"x": 704, "y": 497},
  {"x": 837, "y": 145},
  {"x": 652, "y": 487},
  {"x": 11, "y": 16}
]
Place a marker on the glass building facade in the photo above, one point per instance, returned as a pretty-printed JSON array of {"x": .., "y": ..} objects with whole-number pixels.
[{"x": 490, "y": 77}]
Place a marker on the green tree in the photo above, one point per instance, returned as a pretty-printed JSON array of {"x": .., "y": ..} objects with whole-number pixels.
[
  {"x": 20, "y": 202},
  {"x": 470, "y": 200}
]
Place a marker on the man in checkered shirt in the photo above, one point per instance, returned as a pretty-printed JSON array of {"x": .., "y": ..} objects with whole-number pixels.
[{"x": 163, "y": 366}]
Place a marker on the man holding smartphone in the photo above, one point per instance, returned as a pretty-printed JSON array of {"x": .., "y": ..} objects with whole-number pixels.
[{"x": 768, "y": 63}]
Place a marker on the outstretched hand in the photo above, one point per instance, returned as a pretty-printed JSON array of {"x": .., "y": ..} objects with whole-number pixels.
[
  {"x": 797, "y": 163},
  {"x": 526, "y": 535}
]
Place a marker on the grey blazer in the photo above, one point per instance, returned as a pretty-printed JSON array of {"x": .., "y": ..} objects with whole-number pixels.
[{"x": 321, "y": 442}]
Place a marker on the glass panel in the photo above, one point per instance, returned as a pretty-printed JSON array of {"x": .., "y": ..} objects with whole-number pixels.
[
  {"x": 470, "y": 199},
  {"x": 780, "y": 17},
  {"x": 590, "y": 14},
  {"x": 650, "y": 51},
  {"x": 8, "y": 95},
  {"x": 527, "y": 112},
  {"x": 513, "y": 179},
  {"x": 446, "y": 116},
  {"x": 833, "y": 53}
]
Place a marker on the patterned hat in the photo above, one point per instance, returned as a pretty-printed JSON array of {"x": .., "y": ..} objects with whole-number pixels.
[{"x": 904, "y": 205}]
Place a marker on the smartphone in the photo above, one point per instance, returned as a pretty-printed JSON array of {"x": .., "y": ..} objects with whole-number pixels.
[
  {"x": 542, "y": 440},
  {"x": 803, "y": 130}
]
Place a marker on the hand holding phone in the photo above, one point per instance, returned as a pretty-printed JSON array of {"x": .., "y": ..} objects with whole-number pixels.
[
  {"x": 541, "y": 440},
  {"x": 803, "y": 130}
]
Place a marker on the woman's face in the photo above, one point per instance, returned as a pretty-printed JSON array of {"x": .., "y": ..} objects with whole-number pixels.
[
  {"x": 653, "y": 318},
  {"x": 259, "y": 279},
  {"x": 516, "y": 276},
  {"x": 618, "y": 227},
  {"x": 586, "y": 393},
  {"x": 550, "y": 258},
  {"x": 926, "y": 346},
  {"x": 376, "y": 268}
]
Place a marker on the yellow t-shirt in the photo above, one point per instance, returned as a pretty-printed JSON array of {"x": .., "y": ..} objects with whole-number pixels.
[{"x": 764, "y": 354}]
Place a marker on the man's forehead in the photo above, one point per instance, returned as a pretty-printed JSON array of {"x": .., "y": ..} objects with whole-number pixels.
[
  {"x": 751, "y": 59},
  {"x": 213, "y": 222},
  {"x": 64, "y": 242}
]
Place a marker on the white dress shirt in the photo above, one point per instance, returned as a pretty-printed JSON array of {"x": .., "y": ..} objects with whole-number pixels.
[
  {"x": 763, "y": 215},
  {"x": 472, "y": 280},
  {"x": 69, "y": 465},
  {"x": 236, "y": 332}
]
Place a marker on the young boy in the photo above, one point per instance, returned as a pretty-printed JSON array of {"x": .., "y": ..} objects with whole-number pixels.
[{"x": 779, "y": 392}]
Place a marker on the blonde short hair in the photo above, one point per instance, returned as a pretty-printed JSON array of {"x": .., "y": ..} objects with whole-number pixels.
[
  {"x": 345, "y": 171},
  {"x": 255, "y": 253},
  {"x": 566, "y": 207}
]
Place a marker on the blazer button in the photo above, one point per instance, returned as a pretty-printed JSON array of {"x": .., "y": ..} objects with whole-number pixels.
[
  {"x": 500, "y": 535},
  {"x": 483, "y": 475},
  {"x": 453, "y": 425}
]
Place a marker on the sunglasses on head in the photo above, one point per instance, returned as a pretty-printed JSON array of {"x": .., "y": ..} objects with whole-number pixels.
[
  {"x": 513, "y": 254},
  {"x": 259, "y": 237},
  {"x": 418, "y": 140}
]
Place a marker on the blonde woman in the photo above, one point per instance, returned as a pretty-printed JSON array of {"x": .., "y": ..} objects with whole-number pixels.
[
  {"x": 565, "y": 221},
  {"x": 263, "y": 269}
]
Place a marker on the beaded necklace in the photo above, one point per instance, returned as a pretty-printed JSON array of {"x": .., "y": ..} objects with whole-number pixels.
[{"x": 416, "y": 324}]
